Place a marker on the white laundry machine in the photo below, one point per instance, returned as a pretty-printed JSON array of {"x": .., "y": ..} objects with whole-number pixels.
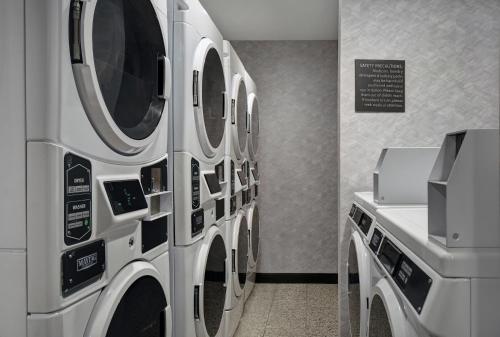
[
  {"x": 94, "y": 244},
  {"x": 400, "y": 180},
  {"x": 254, "y": 237},
  {"x": 238, "y": 240},
  {"x": 236, "y": 131},
  {"x": 200, "y": 109},
  {"x": 201, "y": 274},
  {"x": 359, "y": 271},
  {"x": 444, "y": 261},
  {"x": 253, "y": 118}
]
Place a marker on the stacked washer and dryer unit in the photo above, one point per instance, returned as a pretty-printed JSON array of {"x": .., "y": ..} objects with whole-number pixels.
[
  {"x": 84, "y": 236},
  {"x": 201, "y": 257},
  {"x": 236, "y": 151},
  {"x": 211, "y": 245},
  {"x": 253, "y": 178}
]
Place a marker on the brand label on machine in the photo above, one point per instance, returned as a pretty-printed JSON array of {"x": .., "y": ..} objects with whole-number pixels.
[
  {"x": 82, "y": 266},
  {"x": 77, "y": 199}
]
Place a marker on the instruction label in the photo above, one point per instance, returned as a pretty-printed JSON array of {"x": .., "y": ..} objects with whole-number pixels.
[{"x": 380, "y": 85}]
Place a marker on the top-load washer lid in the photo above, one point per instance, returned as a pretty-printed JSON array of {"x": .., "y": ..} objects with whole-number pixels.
[
  {"x": 254, "y": 219},
  {"x": 239, "y": 115},
  {"x": 134, "y": 304},
  {"x": 210, "y": 285},
  {"x": 254, "y": 127},
  {"x": 209, "y": 96},
  {"x": 121, "y": 70}
]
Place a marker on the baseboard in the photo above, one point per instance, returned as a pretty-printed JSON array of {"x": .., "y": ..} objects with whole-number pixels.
[{"x": 296, "y": 278}]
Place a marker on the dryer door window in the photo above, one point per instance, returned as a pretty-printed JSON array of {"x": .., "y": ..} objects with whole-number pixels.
[
  {"x": 379, "y": 325},
  {"x": 213, "y": 97},
  {"x": 128, "y": 44},
  {"x": 241, "y": 115},
  {"x": 214, "y": 291},
  {"x": 119, "y": 61},
  {"x": 255, "y": 233},
  {"x": 242, "y": 252},
  {"x": 354, "y": 291},
  {"x": 254, "y": 126},
  {"x": 141, "y": 311}
]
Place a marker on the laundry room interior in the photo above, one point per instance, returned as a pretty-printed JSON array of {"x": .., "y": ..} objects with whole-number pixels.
[{"x": 265, "y": 168}]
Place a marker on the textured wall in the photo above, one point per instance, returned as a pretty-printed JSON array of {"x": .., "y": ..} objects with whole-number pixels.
[
  {"x": 452, "y": 53},
  {"x": 296, "y": 82}
]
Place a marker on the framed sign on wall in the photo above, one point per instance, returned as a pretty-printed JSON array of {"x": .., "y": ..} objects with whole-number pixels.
[{"x": 379, "y": 85}]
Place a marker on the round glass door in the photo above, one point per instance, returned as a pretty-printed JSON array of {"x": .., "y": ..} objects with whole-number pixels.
[
  {"x": 141, "y": 311},
  {"x": 214, "y": 291},
  {"x": 242, "y": 252},
  {"x": 379, "y": 325},
  {"x": 354, "y": 291},
  {"x": 213, "y": 97},
  {"x": 255, "y": 233},
  {"x": 119, "y": 60},
  {"x": 255, "y": 126},
  {"x": 241, "y": 115}
]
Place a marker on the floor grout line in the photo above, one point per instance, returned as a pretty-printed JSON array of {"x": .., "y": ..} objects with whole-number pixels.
[{"x": 269, "y": 312}]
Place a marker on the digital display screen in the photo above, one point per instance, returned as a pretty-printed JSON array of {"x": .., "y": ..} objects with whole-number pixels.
[
  {"x": 213, "y": 183},
  {"x": 242, "y": 177},
  {"x": 404, "y": 273},
  {"x": 125, "y": 196},
  {"x": 365, "y": 223},
  {"x": 375, "y": 241},
  {"x": 357, "y": 215},
  {"x": 389, "y": 255},
  {"x": 353, "y": 209}
]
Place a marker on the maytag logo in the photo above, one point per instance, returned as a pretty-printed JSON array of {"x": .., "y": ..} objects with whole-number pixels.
[{"x": 86, "y": 262}]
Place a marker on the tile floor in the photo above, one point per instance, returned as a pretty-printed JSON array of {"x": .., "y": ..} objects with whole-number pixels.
[{"x": 290, "y": 310}]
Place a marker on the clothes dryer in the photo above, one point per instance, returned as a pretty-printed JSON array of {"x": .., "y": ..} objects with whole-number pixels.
[
  {"x": 201, "y": 275},
  {"x": 200, "y": 110},
  {"x": 253, "y": 118},
  {"x": 254, "y": 237},
  {"x": 236, "y": 130},
  {"x": 238, "y": 241},
  {"x": 95, "y": 134}
]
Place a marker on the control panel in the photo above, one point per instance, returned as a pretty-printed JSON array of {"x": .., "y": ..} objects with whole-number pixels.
[
  {"x": 413, "y": 281},
  {"x": 361, "y": 219},
  {"x": 213, "y": 183},
  {"x": 125, "y": 196},
  {"x": 77, "y": 199},
  {"x": 195, "y": 184}
]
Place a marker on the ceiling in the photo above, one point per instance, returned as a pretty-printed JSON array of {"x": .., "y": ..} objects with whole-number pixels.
[{"x": 275, "y": 19}]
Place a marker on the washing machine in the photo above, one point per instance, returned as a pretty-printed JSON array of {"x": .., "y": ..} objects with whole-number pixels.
[
  {"x": 200, "y": 110},
  {"x": 94, "y": 244},
  {"x": 254, "y": 237},
  {"x": 238, "y": 241},
  {"x": 201, "y": 274},
  {"x": 443, "y": 261},
  {"x": 359, "y": 271}
]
